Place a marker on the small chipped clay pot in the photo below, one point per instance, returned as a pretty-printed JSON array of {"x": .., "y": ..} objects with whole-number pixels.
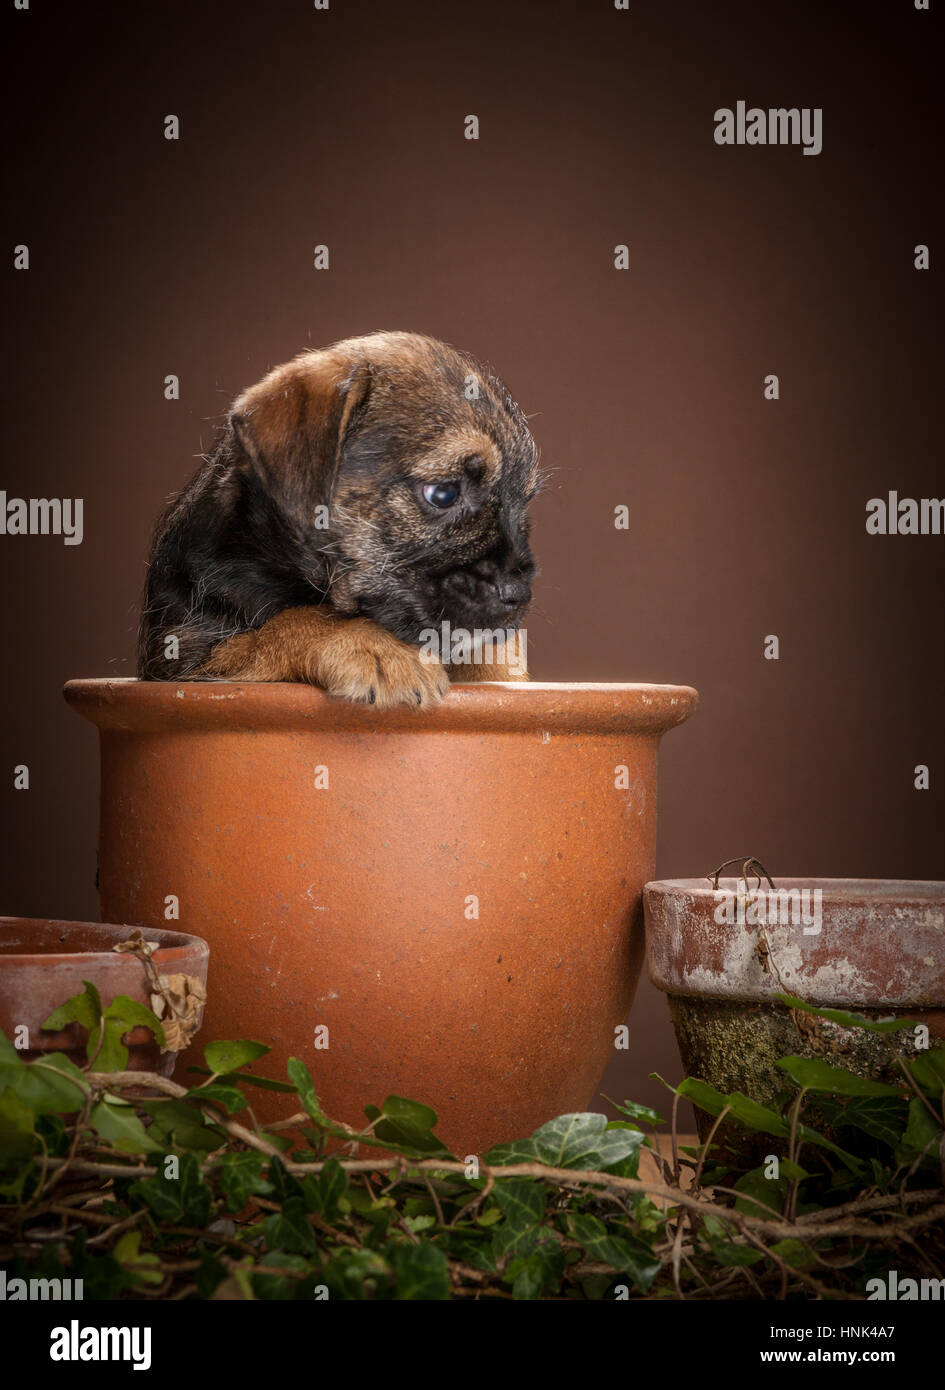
[
  {"x": 44, "y": 962},
  {"x": 875, "y": 947}
]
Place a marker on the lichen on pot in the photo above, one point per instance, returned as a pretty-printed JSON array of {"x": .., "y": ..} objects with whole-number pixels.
[{"x": 734, "y": 1045}]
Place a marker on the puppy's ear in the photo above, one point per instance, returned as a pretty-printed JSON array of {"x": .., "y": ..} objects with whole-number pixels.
[{"x": 291, "y": 426}]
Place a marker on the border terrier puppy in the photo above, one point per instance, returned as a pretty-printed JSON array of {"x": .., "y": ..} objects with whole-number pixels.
[{"x": 358, "y": 497}]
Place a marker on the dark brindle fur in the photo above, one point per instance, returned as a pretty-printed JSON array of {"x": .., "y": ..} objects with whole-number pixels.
[{"x": 252, "y": 587}]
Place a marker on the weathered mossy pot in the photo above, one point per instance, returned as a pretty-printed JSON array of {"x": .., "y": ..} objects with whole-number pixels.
[
  {"x": 44, "y": 962},
  {"x": 869, "y": 946},
  {"x": 454, "y": 895}
]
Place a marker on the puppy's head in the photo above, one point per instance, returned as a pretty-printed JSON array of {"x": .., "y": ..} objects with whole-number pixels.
[{"x": 401, "y": 470}]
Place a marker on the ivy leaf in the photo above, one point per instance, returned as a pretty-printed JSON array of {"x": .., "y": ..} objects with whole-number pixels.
[
  {"x": 761, "y": 1195},
  {"x": 755, "y": 1116},
  {"x": 182, "y": 1201},
  {"x": 279, "y": 1287},
  {"x": 354, "y": 1274},
  {"x": 630, "y": 1256},
  {"x": 120, "y": 1127},
  {"x": 794, "y": 1253},
  {"x": 881, "y": 1117},
  {"x": 11, "y": 1063},
  {"x": 759, "y": 1117},
  {"x": 113, "y": 1054},
  {"x": 629, "y": 1165},
  {"x": 881, "y": 1173},
  {"x": 121, "y": 1016},
  {"x": 421, "y": 1271},
  {"x": 513, "y": 1240},
  {"x": 52, "y": 1085},
  {"x": 304, "y": 1085},
  {"x": 178, "y": 1124},
  {"x": 284, "y": 1184},
  {"x": 223, "y": 1057},
  {"x": 517, "y": 1151},
  {"x": 240, "y": 1177},
  {"x": 847, "y": 1019},
  {"x": 728, "y": 1253},
  {"x": 633, "y": 1111},
  {"x": 324, "y": 1191},
  {"x": 142, "y": 1268},
  {"x": 238, "y": 1284},
  {"x": 928, "y": 1069},
  {"x": 289, "y": 1229},
  {"x": 409, "y": 1125},
  {"x": 282, "y": 1142},
  {"x": 210, "y": 1275},
  {"x": 475, "y": 1253},
  {"x": 103, "y": 1278},
  {"x": 409, "y": 1112},
  {"x": 416, "y": 1224},
  {"x": 522, "y": 1201},
  {"x": 527, "y": 1275},
  {"x": 922, "y": 1133},
  {"x": 596, "y": 1287},
  {"x": 160, "y": 1197},
  {"x": 230, "y": 1097},
  {"x": 815, "y": 1075},
  {"x": 379, "y": 1211},
  {"x": 16, "y": 1129},
  {"x": 537, "y": 1272},
  {"x": 244, "y": 1078},
  {"x": 85, "y": 1009},
  {"x": 584, "y": 1140},
  {"x": 593, "y": 1235},
  {"x": 128, "y": 1011},
  {"x": 196, "y": 1199},
  {"x": 489, "y": 1217}
]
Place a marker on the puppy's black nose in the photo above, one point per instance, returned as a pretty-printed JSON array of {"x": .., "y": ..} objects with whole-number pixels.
[{"x": 513, "y": 590}]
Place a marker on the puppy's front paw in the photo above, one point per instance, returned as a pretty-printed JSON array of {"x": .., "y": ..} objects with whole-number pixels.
[
  {"x": 349, "y": 657},
  {"x": 362, "y": 661}
]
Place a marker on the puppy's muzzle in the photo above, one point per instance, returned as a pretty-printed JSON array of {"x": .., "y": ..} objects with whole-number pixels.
[{"x": 487, "y": 593}]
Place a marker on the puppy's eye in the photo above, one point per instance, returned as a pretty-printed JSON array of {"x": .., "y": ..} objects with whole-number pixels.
[{"x": 442, "y": 495}]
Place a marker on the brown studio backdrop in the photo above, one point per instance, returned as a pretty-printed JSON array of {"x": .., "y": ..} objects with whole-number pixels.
[{"x": 345, "y": 127}]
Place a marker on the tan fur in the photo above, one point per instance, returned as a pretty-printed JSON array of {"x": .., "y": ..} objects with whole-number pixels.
[
  {"x": 456, "y": 445},
  {"x": 349, "y": 657},
  {"x": 303, "y": 400},
  {"x": 474, "y": 673}
]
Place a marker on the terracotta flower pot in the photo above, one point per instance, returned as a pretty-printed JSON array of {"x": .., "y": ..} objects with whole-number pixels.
[
  {"x": 44, "y": 962},
  {"x": 453, "y": 894},
  {"x": 869, "y": 946}
]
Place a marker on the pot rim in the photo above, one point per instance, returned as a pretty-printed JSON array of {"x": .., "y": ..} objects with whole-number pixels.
[
  {"x": 129, "y": 705},
  {"x": 834, "y": 890},
  {"x": 180, "y": 948},
  {"x": 868, "y": 943}
]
